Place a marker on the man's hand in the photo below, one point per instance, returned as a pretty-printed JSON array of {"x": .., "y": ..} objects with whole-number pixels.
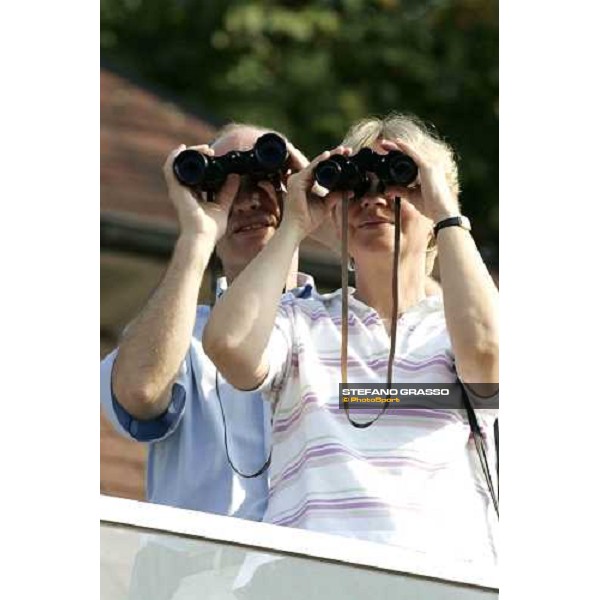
[
  {"x": 196, "y": 216},
  {"x": 432, "y": 196}
]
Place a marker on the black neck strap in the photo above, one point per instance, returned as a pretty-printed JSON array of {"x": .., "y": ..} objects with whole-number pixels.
[
  {"x": 480, "y": 448},
  {"x": 234, "y": 468}
]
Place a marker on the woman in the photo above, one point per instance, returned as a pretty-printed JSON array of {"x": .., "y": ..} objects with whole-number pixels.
[{"x": 411, "y": 478}]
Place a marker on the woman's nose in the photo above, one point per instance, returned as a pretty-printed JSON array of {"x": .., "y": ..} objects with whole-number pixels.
[{"x": 373, "y": 200}]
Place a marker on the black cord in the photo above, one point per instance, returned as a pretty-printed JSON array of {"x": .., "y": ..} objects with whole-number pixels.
[
  {"x": 480, "y": 448},
  {"x": 235, "y": 469}
]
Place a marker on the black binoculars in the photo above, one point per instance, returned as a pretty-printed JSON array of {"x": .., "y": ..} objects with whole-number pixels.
[
  {"x": 350, "y": 173},
  {"x": 265, "y": 162}
]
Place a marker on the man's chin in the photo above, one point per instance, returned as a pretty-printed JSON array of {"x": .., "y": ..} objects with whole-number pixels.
[
  {"x": 253, "y": 240},
  {"x": 254, "y": 234}
]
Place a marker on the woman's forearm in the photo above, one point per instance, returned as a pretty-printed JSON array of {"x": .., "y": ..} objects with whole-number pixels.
[
  {"x": 470, "y": 304},
  {"x": 238, "y": 331}
]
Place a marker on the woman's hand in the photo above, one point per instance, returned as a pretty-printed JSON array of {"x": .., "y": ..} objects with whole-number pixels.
[
  {"x": 297, "y": 160},
  {"x": 195, "y": 215},
  {"x": 304, "y": 211},
  {"x": 432, "y": 195}
]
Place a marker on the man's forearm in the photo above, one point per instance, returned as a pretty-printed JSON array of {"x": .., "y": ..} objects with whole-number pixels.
[
  {"x": 238, "y": 331},
  {"x": 156, "y": 343},
  {"x": 470, "y": 304}
]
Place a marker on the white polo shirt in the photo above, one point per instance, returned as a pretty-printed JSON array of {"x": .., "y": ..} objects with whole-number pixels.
[{"x": 412, "y": 479}]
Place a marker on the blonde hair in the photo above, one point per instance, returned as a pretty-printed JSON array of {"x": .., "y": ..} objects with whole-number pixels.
[
  {"x": 415, "y": 132},
  {"x": 411, "y": 130}
]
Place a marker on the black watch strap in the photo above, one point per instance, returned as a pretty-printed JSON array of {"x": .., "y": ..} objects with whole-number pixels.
[{"x": 458, "y": 221}]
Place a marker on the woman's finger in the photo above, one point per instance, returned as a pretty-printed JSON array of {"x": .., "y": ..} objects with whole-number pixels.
[
  {"x": 389, "y": 145},
  {"x": 411, "y": 151},
  {"x": 297, "y": 160}
]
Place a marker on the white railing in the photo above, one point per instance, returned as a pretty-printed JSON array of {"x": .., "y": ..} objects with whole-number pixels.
[{"x": 140, "y": 540}]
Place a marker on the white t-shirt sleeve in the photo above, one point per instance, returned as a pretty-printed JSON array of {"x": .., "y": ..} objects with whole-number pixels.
[{"x": 279, "y": 354}]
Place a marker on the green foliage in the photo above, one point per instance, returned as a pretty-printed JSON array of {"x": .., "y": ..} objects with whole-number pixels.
[{"x": 312, "y": 68}]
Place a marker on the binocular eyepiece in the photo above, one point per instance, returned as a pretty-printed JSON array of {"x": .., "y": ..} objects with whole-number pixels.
[
  {"x": 350, "y": 173},
  {"x": 265, "y": 162}
]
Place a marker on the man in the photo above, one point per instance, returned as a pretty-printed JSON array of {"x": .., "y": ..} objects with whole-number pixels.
[{"x": 160, "y": 388}]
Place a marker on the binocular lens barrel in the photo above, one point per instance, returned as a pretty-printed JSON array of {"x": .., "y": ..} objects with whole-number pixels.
[
  {"x": 271, "y": 151},
  {"x": 328, "y": 174},
  {"x": 189, "y": 167},
  {"x": 402, "y": 170},
  {"x": 349, "y": 173}
]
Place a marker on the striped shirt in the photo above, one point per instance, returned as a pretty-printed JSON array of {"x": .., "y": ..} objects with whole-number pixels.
[{"x": 412, "y": 479}]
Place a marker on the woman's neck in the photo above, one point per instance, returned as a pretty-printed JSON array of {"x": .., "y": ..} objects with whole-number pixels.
[{"x": 374, "y": 283}]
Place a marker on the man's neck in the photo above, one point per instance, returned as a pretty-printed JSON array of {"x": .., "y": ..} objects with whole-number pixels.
[
  {"x": 232, "y": 271},
  {"x": 374, "y": 283}
]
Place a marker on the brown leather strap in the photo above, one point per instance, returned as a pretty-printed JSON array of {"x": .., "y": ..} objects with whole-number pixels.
[
  {"x": 345, "y": 288},
  {"x": 395, "y": 302},
  {"x": 395, "y": 292}
]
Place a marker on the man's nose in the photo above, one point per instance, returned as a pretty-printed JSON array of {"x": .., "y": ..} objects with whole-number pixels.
[{"x": 247, "y": 203}]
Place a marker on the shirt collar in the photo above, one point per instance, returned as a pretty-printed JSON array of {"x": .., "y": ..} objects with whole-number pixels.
[
  {"x": 304, "y": 289},
  {"x": 305, "y": 286},
  {"x": 428, "y": 304}
]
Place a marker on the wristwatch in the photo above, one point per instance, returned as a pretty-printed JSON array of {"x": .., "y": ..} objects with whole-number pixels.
[{"x": 458, "y": 221}]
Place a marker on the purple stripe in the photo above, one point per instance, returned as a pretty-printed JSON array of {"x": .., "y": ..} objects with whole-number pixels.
[
  {"x": 331, "y": 449},
  {"x": 313, "y": 505},
  {"x": 312, "y": 452},
  {"x": 353, "y": 318},
  {"x": 404, "y": 363},
  {"x": 283, "y": 424}
]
